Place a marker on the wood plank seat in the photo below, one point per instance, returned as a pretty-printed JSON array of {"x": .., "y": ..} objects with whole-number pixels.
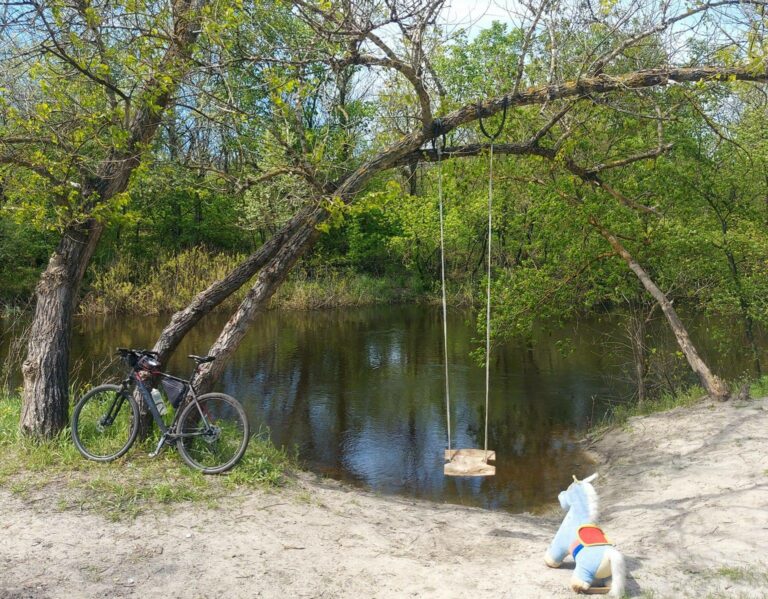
[{"x": 469, "y": 462}]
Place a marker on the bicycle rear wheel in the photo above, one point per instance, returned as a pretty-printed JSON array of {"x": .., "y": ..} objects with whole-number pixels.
[
  {"x": 105, "y": 423},
  {"x": 213, "y": 433}
]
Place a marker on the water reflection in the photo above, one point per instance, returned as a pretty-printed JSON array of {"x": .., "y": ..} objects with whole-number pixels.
[{"x": 359, "y": 394}]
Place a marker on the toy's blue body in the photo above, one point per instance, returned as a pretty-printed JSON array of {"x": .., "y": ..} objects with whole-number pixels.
[{"x": 593, "y": 561}]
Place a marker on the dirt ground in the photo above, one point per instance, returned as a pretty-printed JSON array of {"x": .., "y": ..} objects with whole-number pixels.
[{"x": 684, "y": 495}]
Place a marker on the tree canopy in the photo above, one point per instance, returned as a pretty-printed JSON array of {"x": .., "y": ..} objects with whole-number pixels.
[{"x": 632, "y": 160}]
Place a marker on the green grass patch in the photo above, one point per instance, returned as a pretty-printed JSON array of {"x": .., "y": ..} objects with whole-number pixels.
[
  {"x": 746, "y": 576},
  {"x": 128, "y": 286},
  {"x": 131, "y": 485},
  {"x": 759, "y": 388},
  {"x": 619, "y": 414},
  {"x": 131, "y": 286},
  {"x": 343, "y": 288},
  {"x": 733, "y": 577}
]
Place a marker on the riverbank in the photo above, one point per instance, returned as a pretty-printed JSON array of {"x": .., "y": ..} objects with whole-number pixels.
[
  {"x": 683, "y": 495},
  {"x": 170, "y": 284}
]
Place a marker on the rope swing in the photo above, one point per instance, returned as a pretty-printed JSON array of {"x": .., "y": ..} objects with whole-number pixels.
[{"x": 468, "y": 462}]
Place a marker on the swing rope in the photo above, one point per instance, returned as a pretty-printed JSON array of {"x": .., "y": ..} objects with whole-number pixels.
[
  {"x": 493, "y": 138},
  {"x": 439, "y": 151}
]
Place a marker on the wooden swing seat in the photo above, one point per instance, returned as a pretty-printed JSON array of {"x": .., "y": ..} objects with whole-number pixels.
[{"x": 469, "y": 462}]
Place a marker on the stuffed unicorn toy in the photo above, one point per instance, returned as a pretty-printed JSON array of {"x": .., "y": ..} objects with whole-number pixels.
[{"x": 579, "y": 536}]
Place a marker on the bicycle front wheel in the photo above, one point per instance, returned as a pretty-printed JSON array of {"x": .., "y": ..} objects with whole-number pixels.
[
  {"x": 213, "y": 433},
  {"x": 105, "y": 423}
]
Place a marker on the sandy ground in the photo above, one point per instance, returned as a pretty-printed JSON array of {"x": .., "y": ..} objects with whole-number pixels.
[{"x": 684, "y": 496}]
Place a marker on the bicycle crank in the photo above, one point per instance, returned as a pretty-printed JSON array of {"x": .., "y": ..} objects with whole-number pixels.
[{"x": 160, "y": 444}]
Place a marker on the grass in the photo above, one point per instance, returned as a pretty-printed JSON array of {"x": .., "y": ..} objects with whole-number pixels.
[
  {"x": 739, "y": 575},
  {"x": 128, "y": 286},
  {"x": 759, "y": 388},
  {"x": 340, "y": 288},
  {"x": 619, "y": 414},
  {"x": 751, "y": 578},
  {"x": 133, "y": 484}
]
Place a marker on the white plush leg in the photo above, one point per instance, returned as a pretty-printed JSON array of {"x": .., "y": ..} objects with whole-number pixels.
[
  {"x": 579, "y": 586},
  {"x": 552, "y": 563}
]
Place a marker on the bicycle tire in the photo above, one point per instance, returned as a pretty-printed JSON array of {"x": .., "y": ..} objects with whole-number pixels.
[
  {"x": 102, "y": 441},
  {"x": 213, "y": 433}
]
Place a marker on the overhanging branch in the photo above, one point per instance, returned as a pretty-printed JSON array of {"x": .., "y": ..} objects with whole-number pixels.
[{"x": 348, "y": 185}]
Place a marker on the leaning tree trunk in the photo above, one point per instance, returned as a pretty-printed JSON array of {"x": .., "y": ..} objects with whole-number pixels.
[
  {"x": 714, "y": 386},
  {"x": 204, "y": 302},
  {"x": 46, "y": 368},
  {"x": 269, "y": 280},
  {"x": 184, "y": 320}
]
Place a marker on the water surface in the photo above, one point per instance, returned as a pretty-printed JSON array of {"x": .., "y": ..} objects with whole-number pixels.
[{"x": 359, "y": 394}]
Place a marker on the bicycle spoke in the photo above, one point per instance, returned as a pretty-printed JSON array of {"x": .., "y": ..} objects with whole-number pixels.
[
  {"x": 213, "y": 433},
  {"x": 104, "y": 423}
]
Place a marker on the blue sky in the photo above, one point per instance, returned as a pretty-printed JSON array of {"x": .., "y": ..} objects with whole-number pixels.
[{"x": 475, "y": 15}]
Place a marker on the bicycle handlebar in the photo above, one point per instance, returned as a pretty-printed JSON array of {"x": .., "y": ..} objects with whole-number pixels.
[
  {"x": 134, "y": 357},
  {"x": 124, "y": 351}
]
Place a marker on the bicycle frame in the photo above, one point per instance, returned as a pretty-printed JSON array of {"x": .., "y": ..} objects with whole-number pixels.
[
  {"x": 135, "y": 381},
  {"x": 169, "y": 432}
]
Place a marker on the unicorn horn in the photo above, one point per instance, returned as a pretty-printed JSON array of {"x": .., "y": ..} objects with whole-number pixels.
[{"x": 589, "y": 479}]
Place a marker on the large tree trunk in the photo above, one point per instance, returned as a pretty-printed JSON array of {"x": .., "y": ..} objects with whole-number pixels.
[
  {"x": 46, "y": 368},
  {"x": 714, "y": 386}
]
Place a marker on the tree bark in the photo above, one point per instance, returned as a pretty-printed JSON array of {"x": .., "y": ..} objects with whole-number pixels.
[
  {"x": 713, "y": 385},
  {"x": 46, "y": 368}
]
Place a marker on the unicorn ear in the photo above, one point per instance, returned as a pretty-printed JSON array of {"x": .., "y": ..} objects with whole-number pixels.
[{"x": 589, "y": 479}]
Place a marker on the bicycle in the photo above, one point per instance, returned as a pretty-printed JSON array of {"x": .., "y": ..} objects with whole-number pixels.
[{"x": 210, "y": 431}]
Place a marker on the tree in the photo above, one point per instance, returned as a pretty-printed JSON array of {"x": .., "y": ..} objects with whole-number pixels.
[
  {"x": 312, "y": 62},
  {"x": 606, "y": 66},
  {"x": 87, "y": 85}
]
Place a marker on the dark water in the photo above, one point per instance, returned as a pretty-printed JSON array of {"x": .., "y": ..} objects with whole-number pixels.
[{"x": 359, "y": 394}]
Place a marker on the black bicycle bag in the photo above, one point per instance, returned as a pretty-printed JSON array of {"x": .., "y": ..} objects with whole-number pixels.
[{"x": 174, "y": 390}]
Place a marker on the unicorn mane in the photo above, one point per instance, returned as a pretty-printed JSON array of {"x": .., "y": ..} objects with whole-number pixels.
[{"x": 593, "y": 504}]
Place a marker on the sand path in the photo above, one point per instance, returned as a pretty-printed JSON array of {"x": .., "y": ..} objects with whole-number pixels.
[{"x": 684, "y": 495}]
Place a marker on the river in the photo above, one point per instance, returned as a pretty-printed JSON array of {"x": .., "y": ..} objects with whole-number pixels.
[{"x": 359, "y": 394}]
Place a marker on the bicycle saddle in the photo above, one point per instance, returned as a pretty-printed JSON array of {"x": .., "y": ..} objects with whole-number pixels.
[{"x": 202, "y": 359}]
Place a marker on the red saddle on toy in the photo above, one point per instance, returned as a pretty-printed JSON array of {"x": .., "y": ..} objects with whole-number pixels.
[{"x": 588, "y": 535}]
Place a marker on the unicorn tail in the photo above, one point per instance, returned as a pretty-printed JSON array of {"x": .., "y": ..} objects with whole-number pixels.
[{"x": 618, "y": 573}]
